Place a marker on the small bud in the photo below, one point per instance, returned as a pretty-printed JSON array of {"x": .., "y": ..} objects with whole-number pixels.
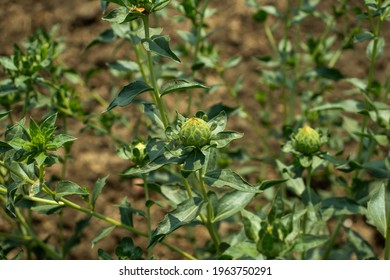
[
  {"x": 195, "y": 132},
  {"x": 138, "y": 153},
  {"x": 307, "y": 140}
]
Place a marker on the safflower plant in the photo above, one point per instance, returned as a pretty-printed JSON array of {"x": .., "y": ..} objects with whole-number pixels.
[{"x": 193, "y": 176}]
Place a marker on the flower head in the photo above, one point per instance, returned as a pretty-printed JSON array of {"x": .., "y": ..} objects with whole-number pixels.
[
  {"x": 195, "y": 132},
  {"x": 307, "y": 140}
]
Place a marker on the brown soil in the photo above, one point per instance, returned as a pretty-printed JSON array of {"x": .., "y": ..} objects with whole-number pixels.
[{"x": 94, "y": 157}]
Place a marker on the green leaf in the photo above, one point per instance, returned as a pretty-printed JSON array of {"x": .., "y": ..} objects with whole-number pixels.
[
  {"x": 159, "y": 5},
  {"x": 65, "y": 188},
  {"x": 128, "y": 93},
  {"x": 243, "y": 250},
  {"x": 251, "y": 225},
  {"x": 153, "y": 114},
  {"x": 307, "y": 242},
  {"x": 7, "y": 63},
  {"x": 174, "y": 194},
  {"x": 185, "y": 213},
  {"x": 377, "y": 168},
  {"x": 126, "y": 213},
  {"x": 193, "y": 162},
  {"x": 47, "y": 209},
  {"x": 122, "y": 15},
  {"x": 97, "y": 189},
  {"x": 223, "y": 138},
  {"x": 59, "y": 140},
  {"x": 218, "y": 123},
  {"x": 179, "y": 85},
  {"x": 232, "y": 203},
  {"x": 341, "y": 206},
  {"x": 329, "y": 73},
  {"x": 103, "y": 255},
  {"x": 362, "y": 248},
  {"x": 159, "y": 44},
  {"x": 365, "y": 35},
  {"x": 379, "y": 48},
  {"x": 102, "y": 234},
  {"x": 226, "y": 177},
  {"x": 127, "y": 251},
  {"x": 352, "y": 106},
  {"x": 168, "y": 157},
  {"x": 270, "y": 183},
  {"x": 378, "y": 208}
]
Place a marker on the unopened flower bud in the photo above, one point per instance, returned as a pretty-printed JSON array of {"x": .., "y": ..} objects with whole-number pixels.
[
  {"x": 307, "y": 140},
  {"x": 195, "y": 132}
]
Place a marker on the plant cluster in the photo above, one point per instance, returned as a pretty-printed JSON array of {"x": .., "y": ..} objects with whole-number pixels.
[{"x": 186, "y": 156}]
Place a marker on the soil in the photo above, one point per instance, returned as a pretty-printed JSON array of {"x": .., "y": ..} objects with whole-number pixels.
[{"x": 79, "y": 22}]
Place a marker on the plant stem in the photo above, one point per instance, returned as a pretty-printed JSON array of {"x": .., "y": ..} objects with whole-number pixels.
[
  {"x": 67, "y": 203},
  {"x": 335, "y": 233},
  {"x": 306, "y": 216},
  {"x": 376, "y": 31},
  {"x": 156, "y": 92},
  {"x": 198, "y": 39},
  {"x": 148, "y": 216},
  {"x": 209, "y": 210}
]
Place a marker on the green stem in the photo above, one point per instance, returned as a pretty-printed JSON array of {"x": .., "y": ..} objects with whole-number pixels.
[
  {"x": 198, "y": 33},
  {"x": 156, "y": 92},
  {"x": 306, "y": 216},
  {"x": 65, "y": 202},
  {"x": 332, "y": 239},
  {"x": 376, "y": 31},
  {"x": 148, "y": 215},
  {"x": 209, "y": 210}
]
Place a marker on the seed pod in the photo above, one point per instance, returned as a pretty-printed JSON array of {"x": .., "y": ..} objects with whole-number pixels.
[
  {"x": 307, "y": 140},
  {"x": 195, "y": 132}
]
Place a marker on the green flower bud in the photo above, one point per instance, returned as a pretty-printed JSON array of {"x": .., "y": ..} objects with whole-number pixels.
[
  {"x": 307, "y": 140},
  {"x": 138, "y": 153},
  {"x": 195, "y": 132}
]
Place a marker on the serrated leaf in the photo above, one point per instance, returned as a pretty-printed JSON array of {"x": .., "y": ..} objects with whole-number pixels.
[
  {"x": 128, "y": 93},
  {"x": 102, "y": 234},
  {"x": 184, "y": 214},
  {"x": 232, "y": 203},
  {"x": 65, "y": 188},
  {"x": 179, "y": 85},
  {"x": 378, "y": 208},
  {"x": 160, "y": 45},
  {"x": 228, "y": 178}
]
